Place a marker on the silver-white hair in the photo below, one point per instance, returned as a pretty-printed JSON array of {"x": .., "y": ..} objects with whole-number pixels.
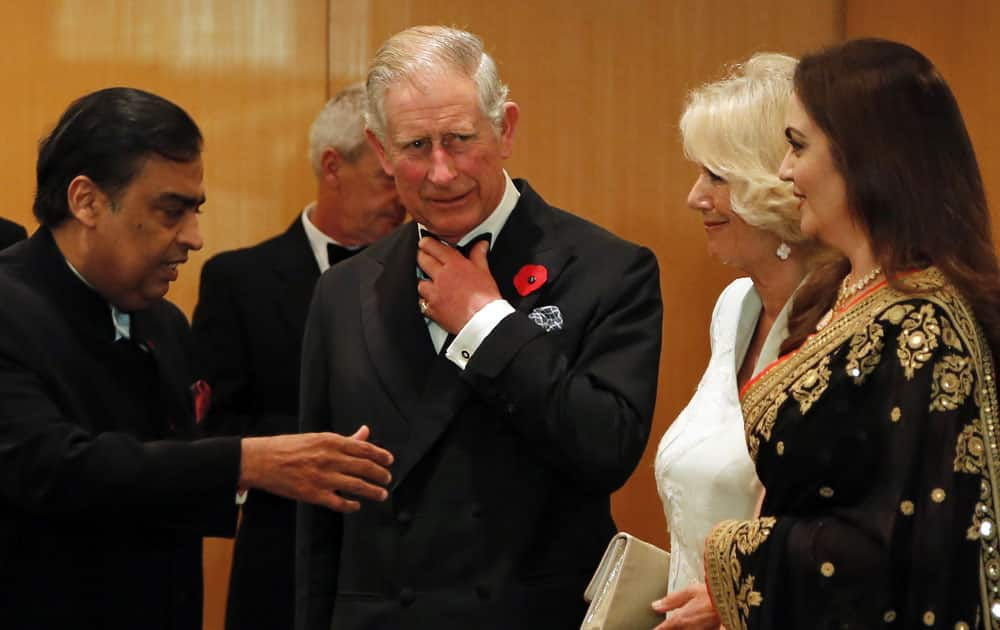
[
  {"x": 735, "y": 128},
  {"x": 422, "y": 49},
  {"x": 340, "y": 125}
]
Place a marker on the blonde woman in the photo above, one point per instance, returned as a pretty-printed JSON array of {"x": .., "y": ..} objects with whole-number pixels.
[{"x": 733, "y": 130}]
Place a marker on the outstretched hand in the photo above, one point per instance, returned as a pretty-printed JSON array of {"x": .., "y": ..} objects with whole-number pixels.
[
  {"x": 691, "y": 609},
  {"x": 458, "y": 287},
  {"x": 323, "y": 468}
]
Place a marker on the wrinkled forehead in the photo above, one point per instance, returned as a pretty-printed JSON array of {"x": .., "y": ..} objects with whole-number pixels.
[{"x": 432, "y": 104}]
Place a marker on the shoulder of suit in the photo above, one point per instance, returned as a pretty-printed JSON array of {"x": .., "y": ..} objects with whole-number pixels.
[
  {"x": 386, "y": 244},
  {"x": 578, "y": 233},
  {"x": 234, "y": 260}
]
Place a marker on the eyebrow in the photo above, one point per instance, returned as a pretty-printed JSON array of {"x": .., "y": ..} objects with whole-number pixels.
[{"x": 179, "y": 199}]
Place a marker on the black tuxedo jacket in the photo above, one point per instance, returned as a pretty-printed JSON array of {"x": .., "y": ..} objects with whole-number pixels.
[
  {"x": 11, "y": 233},
  {"x": 499, "y": 505},
  {"x": 248, "y": 326},
  {"x": 103, "y": 497}
]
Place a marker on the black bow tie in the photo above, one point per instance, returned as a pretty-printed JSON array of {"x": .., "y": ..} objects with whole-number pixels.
[
  {"x": 336, "y": 253},
  {"x": 463, "y": 249}
]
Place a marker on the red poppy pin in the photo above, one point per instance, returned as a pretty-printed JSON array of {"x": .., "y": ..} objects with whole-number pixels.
[
  {"x": 202, "y": 392},
  {"x": 530, "y": 278}
]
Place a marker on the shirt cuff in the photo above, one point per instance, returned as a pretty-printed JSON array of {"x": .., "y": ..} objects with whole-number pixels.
[{"x": 467, "y": 340}]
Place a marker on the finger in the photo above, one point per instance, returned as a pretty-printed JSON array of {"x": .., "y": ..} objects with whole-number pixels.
[
  {"x": 424, "y": 288},
  {"x": 362, "y": 433},
  {"x": 428, "y": 263},
  {"x": 479, "y": 255},
  {"x": 366, "y": 451},
  {"x": 359, "y": 467},
  {"x": 434, "y": 249},
  {"x": 673, "y": 600},
  {"x": 338, "y": 503},
  {"x": 356, "y": 487}
]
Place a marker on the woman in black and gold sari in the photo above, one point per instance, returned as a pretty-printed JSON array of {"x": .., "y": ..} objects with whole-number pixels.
[{"x": 877, "y": 438}]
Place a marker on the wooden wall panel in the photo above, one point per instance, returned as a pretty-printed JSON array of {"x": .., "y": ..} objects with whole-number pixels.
[
  {"x": 959, "y": 36},
  {"x": 251, "y": 72},
  {"x": 601, "y": 86}
]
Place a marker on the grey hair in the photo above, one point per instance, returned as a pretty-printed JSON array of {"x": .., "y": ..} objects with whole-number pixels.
[
  {"x": 441, "y": 49},
  {"x": 340, "y": 125},
  {"x": 735, "y": 128}
]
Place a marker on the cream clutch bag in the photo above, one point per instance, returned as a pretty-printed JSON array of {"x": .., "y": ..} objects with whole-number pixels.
[{"x": 631, "y": 575}]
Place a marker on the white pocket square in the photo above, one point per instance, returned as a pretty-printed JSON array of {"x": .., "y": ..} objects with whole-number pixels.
[{"x": 548, "y": 317}]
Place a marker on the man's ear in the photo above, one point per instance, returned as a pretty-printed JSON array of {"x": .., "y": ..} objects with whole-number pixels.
[
  {"x": 511, "y": 112},
  {"x": 379, "y": 149},
  {"x": 330, "y": 163},
  {"x": 86, "y": 200}
]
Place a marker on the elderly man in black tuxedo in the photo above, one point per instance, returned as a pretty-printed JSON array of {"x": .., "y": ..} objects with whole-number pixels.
[
  {"x": 249, "y": 322},
  {"x": 105, "y": 490},
  {"x": 11, "y": 233},
  {"x": 515, "y": 387}
]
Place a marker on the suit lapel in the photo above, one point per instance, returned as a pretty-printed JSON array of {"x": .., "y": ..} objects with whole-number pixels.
[
  {"x": 528, "y": 238},
  {"x": 394, "y": 330},
  {"x": 173, "y": 376},
  {"x": 296, "y": 272}
]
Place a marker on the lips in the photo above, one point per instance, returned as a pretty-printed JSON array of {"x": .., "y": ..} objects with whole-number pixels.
[
  {"x": 712, "y": 224},
  {"x": 446, "y": 201},
  {"x": 172, "y": 268}
]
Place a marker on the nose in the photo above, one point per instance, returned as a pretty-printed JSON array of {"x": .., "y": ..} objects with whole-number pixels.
[
  {"x": 785, "y": 170},
  {"x": 698, "y": 197},
  {"x": 190, "y": 234},
  {"x": 442, "y": 169}
]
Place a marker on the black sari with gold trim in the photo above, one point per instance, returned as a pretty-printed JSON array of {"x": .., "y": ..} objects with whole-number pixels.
[{"x": 877, "y": 445}]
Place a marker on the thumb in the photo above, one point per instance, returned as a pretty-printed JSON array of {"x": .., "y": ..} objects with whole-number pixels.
[
  {"x": 672, "y": 600},
  {"x": 478, "y": 255},
  {"x": 362, "y": 433}
]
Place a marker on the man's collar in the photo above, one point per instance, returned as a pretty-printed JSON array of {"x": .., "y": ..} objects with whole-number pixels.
[
  {"x": 121, "y": 320},
  {"x": 318, "y": 239},
  {"x": 497, "y": 219}
]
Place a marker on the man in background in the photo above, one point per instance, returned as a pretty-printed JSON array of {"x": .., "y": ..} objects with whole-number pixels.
[
  {"x": 248, "y": 325},
  {"x": 105, "y": 492},
  {"x": 515, "y": 387},
  {"x": 11, "y": 233}
]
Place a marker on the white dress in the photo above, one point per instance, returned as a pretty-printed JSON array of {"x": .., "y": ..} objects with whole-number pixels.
[{"x": 704, "y": 473}]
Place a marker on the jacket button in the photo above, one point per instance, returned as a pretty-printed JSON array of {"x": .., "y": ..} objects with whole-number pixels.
[
  {"x": 483, "y": 591},
  {"x": 404, "y": 517},
  {"x": 477, "y": 510},
  {"x": 407, "y": 596}
]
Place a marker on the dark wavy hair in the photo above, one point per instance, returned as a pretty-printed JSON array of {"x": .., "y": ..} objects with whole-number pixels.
[
  {"x": 913, "y": 183},
  {"x": 106, "y": 135}
]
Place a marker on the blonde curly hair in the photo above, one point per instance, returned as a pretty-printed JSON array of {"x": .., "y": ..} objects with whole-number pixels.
[{"x": 734, "y": 127}]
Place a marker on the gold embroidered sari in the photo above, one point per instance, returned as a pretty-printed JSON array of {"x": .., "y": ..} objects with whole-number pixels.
[{"x": 877, "y": 443}]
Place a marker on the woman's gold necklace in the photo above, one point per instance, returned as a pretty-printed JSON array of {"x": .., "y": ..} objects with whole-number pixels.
[{"x": 847, "y": 290}]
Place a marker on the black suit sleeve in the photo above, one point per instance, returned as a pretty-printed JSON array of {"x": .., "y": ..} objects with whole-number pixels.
[
  {"x": 587, "y": 409},
  {"x": 222, "y": 357},
  {"x": 319, "y": 529}
]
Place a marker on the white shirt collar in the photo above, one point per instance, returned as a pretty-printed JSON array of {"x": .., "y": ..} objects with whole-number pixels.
[
  {"x": 318, "y": 239},
  {"x": 497, "y": 219},
  {"x": 121, "y": 320}
]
